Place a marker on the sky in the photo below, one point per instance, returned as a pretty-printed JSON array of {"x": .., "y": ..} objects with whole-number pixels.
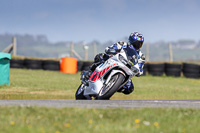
[{"x": 102, "y": 20}]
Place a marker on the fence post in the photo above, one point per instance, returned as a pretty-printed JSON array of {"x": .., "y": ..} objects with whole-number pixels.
[
  {"x": 14, "y": 46},
  {"x": 71, "y": 49},
  {"x": 95, "y": 49},
  {"x": 86, "y": 51},
  {"x": 170, "y": 53},
  {"x": 147, "y": 52}
]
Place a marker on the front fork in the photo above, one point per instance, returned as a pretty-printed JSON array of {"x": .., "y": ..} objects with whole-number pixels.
[{"x": 85, "y": 75}]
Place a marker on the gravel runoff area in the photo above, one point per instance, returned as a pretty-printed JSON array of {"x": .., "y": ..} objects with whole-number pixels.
[{"x": 105, "y": 103}]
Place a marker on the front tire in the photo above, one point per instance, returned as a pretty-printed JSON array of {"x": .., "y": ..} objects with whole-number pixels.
[
  {"x": 113, "y": 85},
  {"x": 79, "y": 93}
]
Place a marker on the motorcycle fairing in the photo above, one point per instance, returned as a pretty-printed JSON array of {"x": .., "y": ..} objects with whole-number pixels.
[
  {"x": 96, "y": 75},
  {"x": 96, "y": 79}
]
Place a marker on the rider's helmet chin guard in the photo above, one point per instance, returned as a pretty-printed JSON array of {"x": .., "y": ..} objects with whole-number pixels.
[{"x": 136, "y": 40}]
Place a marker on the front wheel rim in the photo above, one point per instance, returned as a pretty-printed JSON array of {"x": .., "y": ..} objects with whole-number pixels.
[
  {"x": 80, "y": 89},
  {"x": 108, "y": 86}
]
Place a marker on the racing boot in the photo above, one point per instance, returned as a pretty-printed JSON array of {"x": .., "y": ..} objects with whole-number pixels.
[{"x": 127, "y": 88}]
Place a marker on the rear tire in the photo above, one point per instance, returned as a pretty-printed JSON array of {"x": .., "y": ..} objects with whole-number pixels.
[
  {"x": 115, "y": 82},
  {"x": 79, "y": 93}
]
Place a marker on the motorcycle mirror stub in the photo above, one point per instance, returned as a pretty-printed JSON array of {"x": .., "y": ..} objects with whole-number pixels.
[{"x": 134, "y": 69}]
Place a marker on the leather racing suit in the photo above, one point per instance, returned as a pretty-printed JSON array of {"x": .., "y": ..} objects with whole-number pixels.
[{"x": 116, "y": 48}]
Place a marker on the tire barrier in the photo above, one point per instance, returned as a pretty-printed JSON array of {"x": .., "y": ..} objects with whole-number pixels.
[
  {"x": 79, "y": 65},
  {"x": 51, "y": 65},
  {"x": 188, "y": 70},
  {"x": 145, "y": 69},
  {"x": 33, "y": 64},
  {"x": 156, "y": 69},
  {"x": 191, "y": 70},
  {"x": 16, "y": 63},
  {"x": 86, "y": 65},
  {"x": 173, "y": 69}
]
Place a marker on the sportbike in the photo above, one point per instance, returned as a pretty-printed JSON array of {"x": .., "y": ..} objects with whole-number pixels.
[{"x": 110, "y": 76}]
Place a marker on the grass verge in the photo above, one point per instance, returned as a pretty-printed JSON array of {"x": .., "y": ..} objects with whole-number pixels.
[{"x": 74, "y": 120}]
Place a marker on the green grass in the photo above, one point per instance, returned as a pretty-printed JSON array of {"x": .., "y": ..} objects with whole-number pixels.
[
  {"x": 79, "y": 120},
  {"x": 39, "y": 84}
]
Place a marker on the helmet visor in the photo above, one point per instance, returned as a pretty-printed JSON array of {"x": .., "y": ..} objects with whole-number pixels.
[{"x": 137, "y": 44}]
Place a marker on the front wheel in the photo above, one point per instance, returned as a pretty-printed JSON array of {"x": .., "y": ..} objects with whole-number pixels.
[
  {"x": 79, "y": 93},
  {"x": 109, "y": 89}
]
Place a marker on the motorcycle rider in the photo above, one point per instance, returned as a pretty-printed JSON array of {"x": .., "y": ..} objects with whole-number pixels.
[{"x": 135, "y": 42}]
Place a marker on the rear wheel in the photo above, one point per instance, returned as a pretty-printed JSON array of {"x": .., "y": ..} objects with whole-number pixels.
[
  {"x": 79, "y": 93},
  {"x": 109, "y": 89}
]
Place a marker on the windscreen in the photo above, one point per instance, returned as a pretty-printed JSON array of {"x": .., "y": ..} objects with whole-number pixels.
[{"x": 131, "y": 54}]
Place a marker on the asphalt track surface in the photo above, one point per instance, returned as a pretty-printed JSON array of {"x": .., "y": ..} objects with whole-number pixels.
[{"x": 105, "y": 103}]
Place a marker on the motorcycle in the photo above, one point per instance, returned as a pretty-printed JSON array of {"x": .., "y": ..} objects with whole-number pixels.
[{"x": 110, "y": 76}]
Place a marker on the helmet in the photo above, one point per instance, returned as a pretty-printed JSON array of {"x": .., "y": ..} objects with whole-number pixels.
[{"x": 136, "y": 40}]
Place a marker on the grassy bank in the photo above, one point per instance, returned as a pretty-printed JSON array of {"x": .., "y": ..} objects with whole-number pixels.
[
  {"x": 39, "y": 84},
  {"x": 74, "y": 120}
]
